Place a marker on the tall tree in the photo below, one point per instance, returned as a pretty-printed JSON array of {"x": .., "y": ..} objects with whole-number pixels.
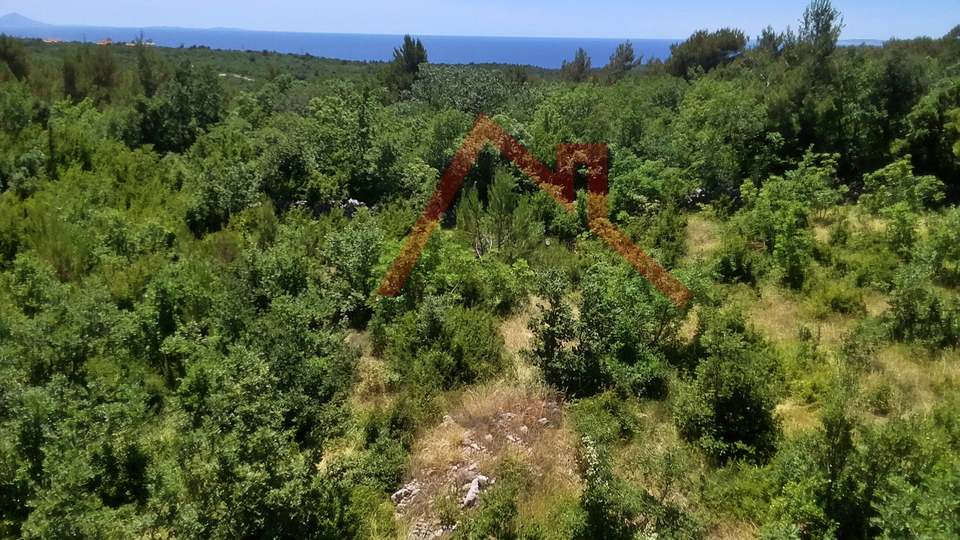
[
  {"x": 621, "y": 62},
  {"x": 770, "y": 41},
  {"x": 149, "y": 69},
  {"x": 820, "y": 27},
  {"x": 577, "y": 70},
  {"x": 71, "y": 75},
  {"x": 405, "y": 68},
  {"x": 105, "y": 72},
  {"x": 14, "y": 54},
  {"x": 705, "y": 50}
]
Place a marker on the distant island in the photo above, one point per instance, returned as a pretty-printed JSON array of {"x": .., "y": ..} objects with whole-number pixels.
[{"x": 16, "y": 19}]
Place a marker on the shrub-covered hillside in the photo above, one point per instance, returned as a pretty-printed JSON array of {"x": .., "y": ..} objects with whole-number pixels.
[{"x": 191, "y": 345}]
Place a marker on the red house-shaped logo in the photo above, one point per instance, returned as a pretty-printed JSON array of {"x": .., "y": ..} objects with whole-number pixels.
[{"x": 558, "y": 184}]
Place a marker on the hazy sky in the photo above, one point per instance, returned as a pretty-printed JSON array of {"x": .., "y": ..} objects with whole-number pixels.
[{"x": 876, "y": 19}]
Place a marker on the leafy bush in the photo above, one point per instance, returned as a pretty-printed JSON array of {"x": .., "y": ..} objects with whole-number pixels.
[
  {"x": 727, "y": 409},
  {"x": 895, "y": 183}
]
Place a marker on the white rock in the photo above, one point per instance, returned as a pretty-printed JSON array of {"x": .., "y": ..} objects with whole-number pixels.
[
  {"x": 474, "y": 493},
  {"x": 400, "y": 495}
]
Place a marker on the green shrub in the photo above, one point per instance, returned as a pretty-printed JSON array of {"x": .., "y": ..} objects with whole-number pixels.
[
  {"x": 830, "y": 296},
  {"x": 737, "y": 261},
  {"x": 919, "y": 311},
  {"x": 727, "y": 409}
]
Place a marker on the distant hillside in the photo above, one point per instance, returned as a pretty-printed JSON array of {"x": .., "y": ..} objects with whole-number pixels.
[{"x": 16, "y": 19}]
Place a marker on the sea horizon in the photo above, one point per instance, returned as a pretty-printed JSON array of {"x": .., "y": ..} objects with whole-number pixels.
[{"x": 544, "y": 52}]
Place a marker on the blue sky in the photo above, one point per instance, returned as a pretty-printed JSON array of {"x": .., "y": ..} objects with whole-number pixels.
[{"x": 865, "y": 19}]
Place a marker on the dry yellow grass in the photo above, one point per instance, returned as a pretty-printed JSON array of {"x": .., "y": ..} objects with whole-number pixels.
[
  {"x": 703, "y": 236},
  {"x": 485, "y": 424},
  {"x": 516, "y": 334},
  {"x": 876, "y": 302},
  {"x": 797, "y": 418},
  {"x": 868, "y": 223},
  {"x": 371, "y": 391},
  {"x": 517, "y": 337},
  {"x": 831, "y": 331},
  {"x": 737, "y": 530},
  {"x": 688, "y": 330},
  {"x": 775, "y": 315},
  {"x": 821, "y": 233},
  {"x": 920, "y": 378},
  {"x": 944, "y": 374}
]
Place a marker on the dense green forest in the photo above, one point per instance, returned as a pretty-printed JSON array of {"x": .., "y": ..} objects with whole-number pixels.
[{"x": 191, "y": 347}]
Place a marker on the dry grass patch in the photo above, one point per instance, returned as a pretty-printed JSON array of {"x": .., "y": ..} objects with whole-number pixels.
[
  {"x": 703, "y": 236},
  {"x": 868, "y": 223},
  {"x": 371, "y": 391},
  {"x": 821, "y": 232},
  {"x": 911, "y": 373},
  {"x": 798, "y": 418},
  {"x": 737, "y": 530},
  {"x": 484, "y": 425},
  {"x": 688, "y": 330},
  {"x": 775, "y": 315},
  {"x": 517, "y": 338},
  {"x": 876, "y": 302},
  {"x": 830, "y": 332},
  {"x": 516, "y": 334}
]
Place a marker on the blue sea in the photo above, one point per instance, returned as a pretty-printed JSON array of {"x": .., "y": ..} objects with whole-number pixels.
[{"x": 541, "y": 52}]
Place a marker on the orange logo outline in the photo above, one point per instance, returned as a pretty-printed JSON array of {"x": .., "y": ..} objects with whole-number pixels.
[{"x": 559, "y": 185}]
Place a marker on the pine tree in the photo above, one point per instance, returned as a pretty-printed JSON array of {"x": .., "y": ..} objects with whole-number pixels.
[
  {"x": 577, "y": 70},
  {"x": 405, "y": 68},
  {"x": 14, "y": 54},
  {"x": 621, "y": 62}
]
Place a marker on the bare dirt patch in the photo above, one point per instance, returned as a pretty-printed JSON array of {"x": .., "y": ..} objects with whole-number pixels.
[{"x": 484, "y": 425}]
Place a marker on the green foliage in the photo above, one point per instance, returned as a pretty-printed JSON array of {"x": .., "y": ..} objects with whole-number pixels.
[
  {"x": 14, "y": 55},
  {"x": 779, "y": 214},
  {"x": 895, "y": 184},
  {"x": 441, "y": 346},
  {"x": 506, "y": 227},
  {"x": 931, "y": 132},
  {"x": 719, "y": 134},
  {"x": 920, "y": 312},
  {"x": 820, "y": 27},
  {"x": 727, "y": 409},
  {"x": 186, "y": 288},
  {"x": 834, "y": 296},
  {"x": 578, "y": 69},
  {"x": 622, "y": 61},
  {"x": 640, "y": 187},
  {"x": 353, "y": 253},
  {"x": 463, "y": 88},
  {"x": 400, "y": 74},
  {"x": 705, "y": 51},
  {"x": 553, "y": 329},
  {"x": 190, "y": 102}
]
